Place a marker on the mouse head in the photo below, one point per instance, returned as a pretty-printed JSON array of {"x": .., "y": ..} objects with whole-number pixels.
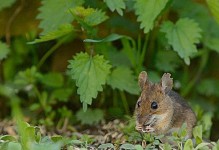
[{"x": 153, "y": 103}]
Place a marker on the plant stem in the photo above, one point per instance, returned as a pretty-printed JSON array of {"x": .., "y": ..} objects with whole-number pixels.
[
  {"x": 191, "y": 84},
  {"x": 48, "y": 53},
  {"x": 124, "y": 101}
]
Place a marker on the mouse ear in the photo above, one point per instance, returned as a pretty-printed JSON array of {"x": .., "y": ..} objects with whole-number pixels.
[
  {"x": 166, "y": 82},
  {"x": 142, "y": 79}
]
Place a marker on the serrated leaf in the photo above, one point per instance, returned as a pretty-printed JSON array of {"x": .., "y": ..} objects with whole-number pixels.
[
  {"x": 55, "y": 34},
  {"x": 147, "y": 12},
  {"x": 53, "y": 13},
  {"x": 117, "y": 5},
  {"x": 109, "y": 38},
  {"x": 214, "y": 8},
  {"x": 90, "y": 117},
  {"x": 122, "y": 78},
  {"x": 183, "y": 36},
  {"x": 90, "y": 74},
  {"x": 89, "y": 16},
  {"x": 6, "y": 3},
  {"x": 4, "y": 50}
]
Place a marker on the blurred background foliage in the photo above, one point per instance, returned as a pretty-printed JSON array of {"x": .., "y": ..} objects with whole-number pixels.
[{"x": 63, "y": 57}]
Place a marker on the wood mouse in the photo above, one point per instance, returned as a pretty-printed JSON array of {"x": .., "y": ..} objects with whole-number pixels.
[{"x": 159, "y": 109}]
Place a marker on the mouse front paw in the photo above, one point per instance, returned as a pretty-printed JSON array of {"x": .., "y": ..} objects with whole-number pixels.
[
  {"x": 148, "y": 129},
  {"x": 138, "y": 127}
]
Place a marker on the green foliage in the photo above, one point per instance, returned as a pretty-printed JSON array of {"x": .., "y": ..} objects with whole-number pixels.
[
  {"x": 208, "y": 87},
  {"x": 52, "y": 79},
  {"x": 90, "y": 117},
  {"x": 110, "y": 38},
  {"x": 58, "y": 9},
  {"x": 5, "y": 4},
  {"x": 183, "y": 36},
  {"x": 90, "y": 74},
  {"x": 88, "y": 16},
  {"x": 117, "y": 5},
  {"x": 122, "y": 78},
  {"x": 55, "y": 34},
  {"x": 109, "y": 50},
  {"x": 148, "y": 11},
  {"x": 4, "y": 50},
  {"x": 214, "y": 7}
]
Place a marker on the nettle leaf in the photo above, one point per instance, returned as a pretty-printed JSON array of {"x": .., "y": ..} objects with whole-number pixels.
[
  {"x": 90, "y": 117},
  {"x": 5, "y": 4},
  {"x": 214, "y": 8},
  {"x": 123, "y": 79},
  {"x": 4, "y": 50},
  {"x": 117, "y": 5},
  {"x": 90, "y": 74},
  {"x": 183, "y": 36},
  {"x": 89, "y": 16},
  {"x": 55, "y": 34},
  {"x": 53, "y": 13},
  {"x": 147, "y": 12}
]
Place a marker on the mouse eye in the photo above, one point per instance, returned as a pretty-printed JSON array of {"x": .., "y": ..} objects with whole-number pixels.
[
  {"x": 154, "y": 105},
  {"x": 138, "y": 103}
]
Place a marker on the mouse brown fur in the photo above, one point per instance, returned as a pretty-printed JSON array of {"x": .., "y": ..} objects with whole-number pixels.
[{"x": 160, "y": 110}]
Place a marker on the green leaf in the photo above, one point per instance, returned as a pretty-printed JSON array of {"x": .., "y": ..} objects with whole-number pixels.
[
  {"x": 14, "y": 145},
  {"x": 109, "y": 38},
  {"x": 8, "y": 138},
  {"x": 90, "y": 74},
  {"x": 197, "y": 133},
  {"x": 182, "y": 36},
  {"x": 209, "y": 87},
  {"x": 188, "y": 145},
  {"x": 90, "y": 117},
  {"x": 138, "y": 147},
  {"x": 53, "y": 13},
  {"x": 106, "y": 146},
  {"x": 167, "y": 61},
  {"x": 89, "y": 16},
  {"x": 62, "y": 94},
  {"x": 213, "y": 44},
  {"x": 167, "y": 146},
  {"x": 122, "y": 78},
  {"x": 27, "y": 77},
  {"x": 147, "y": 12},
  {"x": 117, "y": 5},
  {"x": 201, "y": 145},
  {"x": 127, "y": 146},
  {"x": 55, "y": 34},
  {"x": 214, "y": 8},
  {"x": 52, "y": 79},
  {"x": 6, "y": 3},
  {"x": 4, "y": 50}
]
